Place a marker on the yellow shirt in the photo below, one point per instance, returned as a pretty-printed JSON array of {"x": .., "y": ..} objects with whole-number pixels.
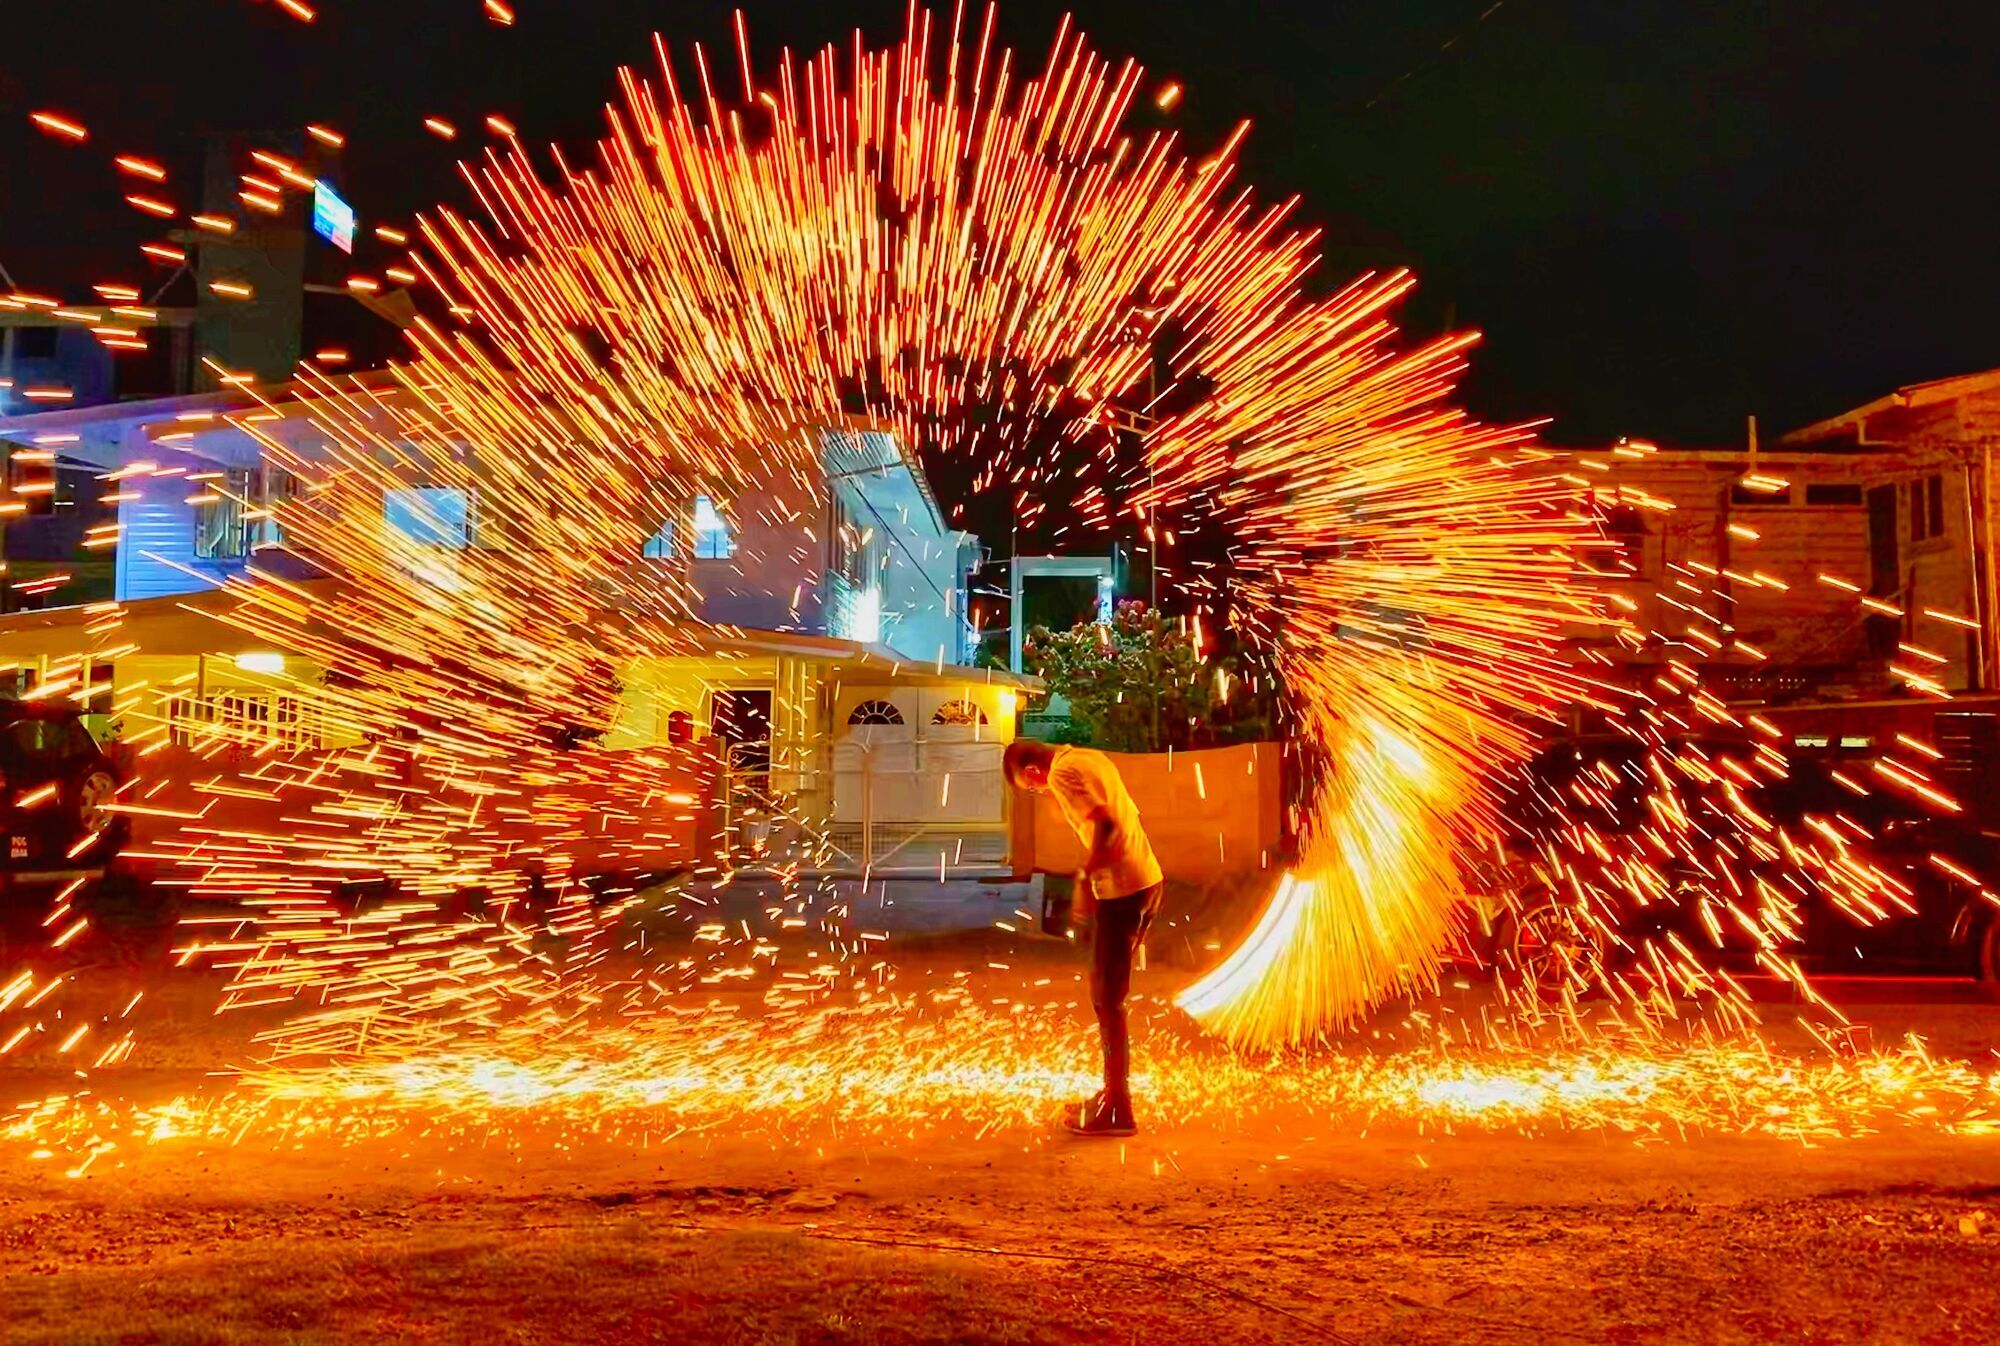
[{"x": 1087, "y": 787}]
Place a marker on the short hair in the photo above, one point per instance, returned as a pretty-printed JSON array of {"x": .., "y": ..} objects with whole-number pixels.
[{"x": 1021, "y": 754}]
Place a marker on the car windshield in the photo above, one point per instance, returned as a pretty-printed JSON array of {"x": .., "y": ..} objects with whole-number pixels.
[
  {"x": 30, "y": 742},
  {"x": 1606, "y": 782}
]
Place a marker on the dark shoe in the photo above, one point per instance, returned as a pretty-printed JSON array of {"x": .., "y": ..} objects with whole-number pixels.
[{"x": 1102, "y": 1117}]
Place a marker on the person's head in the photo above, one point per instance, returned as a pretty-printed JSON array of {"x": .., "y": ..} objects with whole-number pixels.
[{"x": 1026, "y": 764}]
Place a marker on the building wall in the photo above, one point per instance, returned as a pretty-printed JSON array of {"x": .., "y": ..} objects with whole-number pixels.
[
  {"x": 910, "y": 595},
  {"x": 1947, "y": 431},
  {"x": 1810, "y": 632},
  {"x": 915, "y": 568},
  {"x": 1941, "y": 573},
  {"x": 157, "y": 529},
  {"x": 54, "y": 355},
  {"x": 1211, "y": 812},
  {"x": 771, "y": 579},
  {"x": 1772, "y": 594},
  {"x": 656, "y": 687}
]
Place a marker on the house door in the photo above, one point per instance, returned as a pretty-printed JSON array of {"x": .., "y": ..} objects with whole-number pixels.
[
  {"x": 741, "y": 717},
  {"x": 1884, "y": 563}
]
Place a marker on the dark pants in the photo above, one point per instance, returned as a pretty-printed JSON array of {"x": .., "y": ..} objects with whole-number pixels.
[{"x": 1120, "y": 926}]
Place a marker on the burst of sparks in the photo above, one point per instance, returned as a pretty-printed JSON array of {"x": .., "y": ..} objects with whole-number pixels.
[
  {"x": 985, "y": 261},
  {"x": 886, "y": 1073}
]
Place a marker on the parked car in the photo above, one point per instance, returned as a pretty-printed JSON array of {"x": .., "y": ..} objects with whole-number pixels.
[
  {"x": 611, "y": 820},
  {"x": 1940, "y": 922},
  {"x": 57, "y": 786}
]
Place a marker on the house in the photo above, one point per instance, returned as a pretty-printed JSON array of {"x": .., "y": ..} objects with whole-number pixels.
[
  {"x": 1729, "y": 543},
  {"x": 54, "y": 357},
  {"x": 828, "y": 662},
  {"x": 1844, "y": 552},
  {"x": 1930, "y": 512}
]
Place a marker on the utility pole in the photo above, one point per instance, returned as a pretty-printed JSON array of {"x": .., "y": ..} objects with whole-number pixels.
[
  {"x": 1153, "y": 661},
  {"x": 1989, "y": 628}
]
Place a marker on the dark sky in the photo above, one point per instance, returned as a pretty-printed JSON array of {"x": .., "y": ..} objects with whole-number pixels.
[{"x": 1663, "y": 215}]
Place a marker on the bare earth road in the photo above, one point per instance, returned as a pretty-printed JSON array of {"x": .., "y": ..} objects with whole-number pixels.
[
  {"x": 1287, "y": 1232},
  {"x": 1168, "y": 1238}
]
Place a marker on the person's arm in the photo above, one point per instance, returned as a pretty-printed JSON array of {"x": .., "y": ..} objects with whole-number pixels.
[{"x": 1103, "y": 843}]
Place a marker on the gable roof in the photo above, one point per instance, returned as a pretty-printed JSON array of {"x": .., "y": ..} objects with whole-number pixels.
[{"x": 1909, "y": 396}]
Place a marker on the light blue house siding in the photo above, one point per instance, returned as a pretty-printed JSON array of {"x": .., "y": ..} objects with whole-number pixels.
[
  {"x": 906, "y": 588},
  {"x": 157, "y": 533},
  {"x": 875, "y": 562}
]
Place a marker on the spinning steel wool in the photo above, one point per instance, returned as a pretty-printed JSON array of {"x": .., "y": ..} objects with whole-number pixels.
[{"x": 987, "y": 262}]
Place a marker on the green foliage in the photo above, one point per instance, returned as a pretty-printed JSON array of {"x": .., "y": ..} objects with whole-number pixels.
[
  {"x": 1072, "y": 732},
  {"x": 1136, "y": 684}
]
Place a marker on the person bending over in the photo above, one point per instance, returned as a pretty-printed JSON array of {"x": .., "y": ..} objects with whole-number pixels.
[{"x": 1121, "y": 879}]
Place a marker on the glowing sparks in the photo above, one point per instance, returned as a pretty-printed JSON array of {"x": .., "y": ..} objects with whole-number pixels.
[
  {"x": 140, "y": 168},
  {"x": 55, "y": 124},
  {"x": 889, "y": 1073},
  {"x": 986, "y": 264}
]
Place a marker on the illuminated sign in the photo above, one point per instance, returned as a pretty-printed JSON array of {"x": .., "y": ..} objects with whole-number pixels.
[{"x": 333, "y": 218}]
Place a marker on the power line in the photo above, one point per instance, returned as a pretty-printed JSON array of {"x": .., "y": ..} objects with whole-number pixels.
[{"x": 1436, "y": 60}]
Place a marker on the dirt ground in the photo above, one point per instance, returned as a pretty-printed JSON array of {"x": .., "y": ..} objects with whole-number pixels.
[
  {"x": 1166, "y": 1238},
  {"x": 1380, "y": 1234}
]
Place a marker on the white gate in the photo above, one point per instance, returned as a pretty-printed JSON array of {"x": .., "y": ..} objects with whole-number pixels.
[{"x": 919, "y": 794}]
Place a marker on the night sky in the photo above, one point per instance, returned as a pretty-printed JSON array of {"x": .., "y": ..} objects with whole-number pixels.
[{"x": 1663, "y": 215}]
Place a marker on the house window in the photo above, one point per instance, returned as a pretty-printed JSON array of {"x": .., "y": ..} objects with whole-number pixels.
[
  {"x": 711, "y": 532},
  {"x": 434, "y": 516},
  {"x": 279, "y": 488},
  {"x": 1926, "y": 500},
  {"x": 959, "y": 713},
  {"x": 1833, "y": 493},
  {"x": 32, "y": 477},
  {"x": 35, "y": 343},
  {"x": 660, "y": 546},
  {"x": 850, "y": 545},
  {"x": 876, "y": 712},
  {"x": 220, "y": 531}
]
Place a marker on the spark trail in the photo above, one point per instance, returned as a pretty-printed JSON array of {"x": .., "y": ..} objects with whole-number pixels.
[
  {"x": 928, "y": 239},
  {"x": 998, "y": 264}
]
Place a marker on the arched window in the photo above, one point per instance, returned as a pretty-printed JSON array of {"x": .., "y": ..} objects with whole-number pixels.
[
  {"x": 680, "y": 727},
  {"x": 876, "y": 712},
  {"x": 959, "y": 713}
]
